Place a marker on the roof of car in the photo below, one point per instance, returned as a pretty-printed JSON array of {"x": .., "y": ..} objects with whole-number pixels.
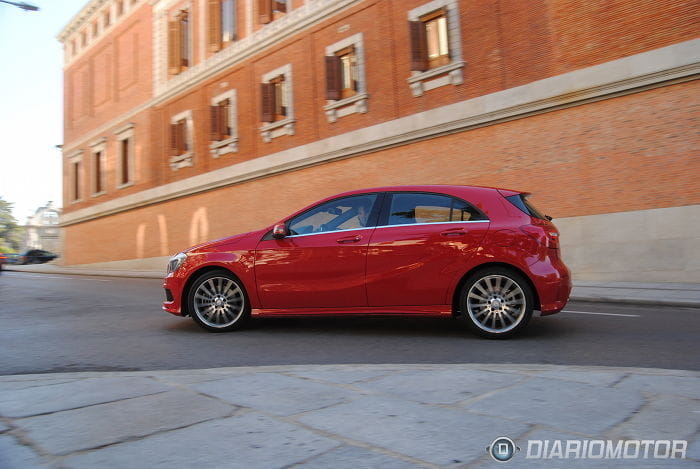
[{"x": 425, "y": 188}]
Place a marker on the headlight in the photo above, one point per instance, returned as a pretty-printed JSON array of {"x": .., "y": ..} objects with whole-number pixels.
[{"x": 176, "y": 261}]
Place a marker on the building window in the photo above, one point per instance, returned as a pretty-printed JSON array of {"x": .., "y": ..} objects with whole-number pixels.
[
  {"x": 181, "y": 140},
  {"x": 107, "y": 18},
  {"x": 98, "y": 165},
  {"x": 345, "y": 81},
  {"x": 179, "y": 48},
  {"x": 430, "y": 46},
  {"x": 435, "y": 46},
  {"x": 95, "y": 29},
  {"x": 73, "y": 49},
  {"x": 83, "y": 39},
  {"x": 125, "y": 156},
  {"x": 222, "y": 24},
  {"x": 75, "y": 176},
  {"x": 76, "y": 180},
  {"x": 223, "y": 128},
  {"x": 277, "y": 106},
  {"x": 99, "y": 148},
  {"x": 270, "y": 10},
  {"x": 120, "y": 8}
]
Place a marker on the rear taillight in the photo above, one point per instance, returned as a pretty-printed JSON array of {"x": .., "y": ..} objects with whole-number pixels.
[{"x": 547, "y": 236}]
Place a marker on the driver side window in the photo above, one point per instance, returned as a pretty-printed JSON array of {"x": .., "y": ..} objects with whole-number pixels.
[{"x": 346, "y": 213}]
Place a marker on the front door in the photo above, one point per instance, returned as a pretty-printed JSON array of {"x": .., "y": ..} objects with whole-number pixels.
[{"x": 321, "y": 263}]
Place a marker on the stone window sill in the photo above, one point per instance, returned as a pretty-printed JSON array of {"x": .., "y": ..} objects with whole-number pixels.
[
  {"x": 343, "y": 107},
  {"x": 450, "y": 74},
  {"x": 276, "y": 129},
  {"x": 221, "y": 147},
  {"x": 181, "y": 161}
]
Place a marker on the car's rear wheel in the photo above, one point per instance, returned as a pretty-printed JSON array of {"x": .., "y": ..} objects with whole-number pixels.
[
  {"x": 496, "y": 302},
  {"x": 217, "y": 302}
]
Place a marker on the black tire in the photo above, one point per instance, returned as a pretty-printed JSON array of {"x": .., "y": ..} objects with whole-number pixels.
[
  {"x": 496, "y": 302},
  {"x": 218, "y": 302}
]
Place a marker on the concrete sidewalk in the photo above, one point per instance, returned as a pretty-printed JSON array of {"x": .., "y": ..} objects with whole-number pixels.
[
  {"x": 339, "y": 416},
  {"x": 668, "y": 294}
]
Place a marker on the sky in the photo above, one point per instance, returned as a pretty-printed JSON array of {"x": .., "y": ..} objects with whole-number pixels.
[{"x": 31, "y": 103}]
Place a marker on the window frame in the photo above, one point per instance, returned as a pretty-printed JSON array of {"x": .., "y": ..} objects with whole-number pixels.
[
  {"x": 285, "y": 126},
  {"x": 97, "y": 172},
  {"x": 125, "y": 133},
  {"x": 371, "y": 220},
  {"x": 450, "y": 73},
  {"x": 76, "y": 176},
  {"x": 357, "y": 102},
  {"x": 384, "y": 215},
  {"x": 230, "y": 144},
  {"x": 180, "y": 46},
  {"x": 216, "y": 20},
  {"x": 184, "y": 159}
]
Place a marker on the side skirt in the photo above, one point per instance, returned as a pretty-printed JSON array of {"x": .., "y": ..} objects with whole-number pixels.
[{"x": 429, "y": 310}]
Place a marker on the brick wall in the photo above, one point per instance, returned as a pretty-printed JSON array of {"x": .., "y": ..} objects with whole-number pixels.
[{"x": 628, "y": 153}]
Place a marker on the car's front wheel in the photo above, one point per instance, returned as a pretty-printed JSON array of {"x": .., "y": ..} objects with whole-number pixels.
[
  {"x": 496, "y": 303},
  {"x": 217, "y": 302}
]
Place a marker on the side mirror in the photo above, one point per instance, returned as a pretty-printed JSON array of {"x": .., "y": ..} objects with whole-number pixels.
[{"x": 279, "y": 231}]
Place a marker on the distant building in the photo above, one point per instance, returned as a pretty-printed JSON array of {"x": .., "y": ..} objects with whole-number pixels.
[
  {"x": 41, "y": 231},
  {"x": 188, "y": 120}
]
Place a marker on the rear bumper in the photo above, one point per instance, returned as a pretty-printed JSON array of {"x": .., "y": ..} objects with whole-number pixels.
[{"x": 553, "y": 283}]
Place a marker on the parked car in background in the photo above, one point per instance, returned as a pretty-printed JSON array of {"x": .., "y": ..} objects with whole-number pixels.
[
  {"x": 3, "y": 259},
  {"x": 36, "y": 256},
  {"x": 483, "y": 255}
]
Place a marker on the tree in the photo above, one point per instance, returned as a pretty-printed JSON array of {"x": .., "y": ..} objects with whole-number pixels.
[{"x": 10, "y": 231}]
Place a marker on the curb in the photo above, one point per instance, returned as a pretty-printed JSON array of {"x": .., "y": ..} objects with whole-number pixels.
[{"x": 637, "y": 301}]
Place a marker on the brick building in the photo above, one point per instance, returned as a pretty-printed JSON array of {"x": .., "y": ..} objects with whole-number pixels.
[{"x": 188, "y": 120}]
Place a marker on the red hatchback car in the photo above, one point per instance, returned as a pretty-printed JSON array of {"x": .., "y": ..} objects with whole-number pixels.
[{"x": 483, "y": 255}]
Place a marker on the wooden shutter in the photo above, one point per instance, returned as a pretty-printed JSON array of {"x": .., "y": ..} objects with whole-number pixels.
[
  {"x": 334, "y": 82},
  {"x": 215, "y": 121},
  {"x": 265, "y": 11},
  {"x": 419, "y": 46},
  {"x": 173, "y": 47},
  {"x": 214, "y": 35},
  {"x": 182, "y": 137},
  {"x": 223, "y": 118},
  {"x": 267, "y": 92},
  {"x": 173, "y": 139}
]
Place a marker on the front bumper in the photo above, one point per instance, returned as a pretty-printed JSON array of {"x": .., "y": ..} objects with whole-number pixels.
[{"x": 173, "y": 284}]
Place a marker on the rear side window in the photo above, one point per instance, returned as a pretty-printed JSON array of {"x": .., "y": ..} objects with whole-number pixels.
[
  {"x": 520, "y": 201},
  {"x": 412, "y": 208}
]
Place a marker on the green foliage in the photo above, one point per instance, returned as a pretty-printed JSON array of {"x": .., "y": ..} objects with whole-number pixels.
[{"x": 10, "y": 231}]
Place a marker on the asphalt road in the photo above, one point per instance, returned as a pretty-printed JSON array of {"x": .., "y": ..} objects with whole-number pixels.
[{"x": 59, "y": 323}]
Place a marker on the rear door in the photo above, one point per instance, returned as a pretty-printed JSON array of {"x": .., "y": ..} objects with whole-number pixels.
[{"x": 422, "y": 243}]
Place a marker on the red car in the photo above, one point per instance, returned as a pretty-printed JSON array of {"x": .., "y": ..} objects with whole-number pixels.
[{"x": 483, "y": 255}]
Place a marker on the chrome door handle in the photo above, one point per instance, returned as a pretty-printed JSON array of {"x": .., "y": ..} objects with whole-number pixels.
[
  {"x": 453, "y": 233},
  {"x": 349, "y": 239}
]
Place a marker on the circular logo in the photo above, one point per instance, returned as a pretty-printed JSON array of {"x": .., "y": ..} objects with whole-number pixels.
[{"x": 502, "y": 449}]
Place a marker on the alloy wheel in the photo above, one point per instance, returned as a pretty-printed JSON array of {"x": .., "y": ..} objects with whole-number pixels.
[
  {"x": 219, "y": 302},
  {"x": 496, "y": 303}
]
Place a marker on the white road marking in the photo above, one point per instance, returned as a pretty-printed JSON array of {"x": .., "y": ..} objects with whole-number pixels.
[{"x": 603, "y": 314}]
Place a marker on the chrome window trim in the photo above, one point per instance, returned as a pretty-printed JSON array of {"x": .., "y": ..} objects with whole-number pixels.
[
  {"x": 436, "y": 223},
  {"x": 386, "y": 226},
  {"x": 333, "y": 231}
]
